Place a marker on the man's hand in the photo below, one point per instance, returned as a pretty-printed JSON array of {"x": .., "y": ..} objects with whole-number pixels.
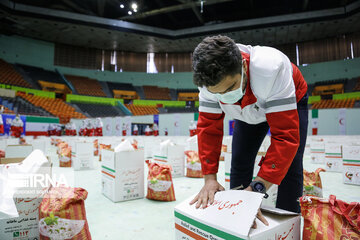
[
  {"x": 259, "y": 214},
  {"x": 207, "y": 193}
]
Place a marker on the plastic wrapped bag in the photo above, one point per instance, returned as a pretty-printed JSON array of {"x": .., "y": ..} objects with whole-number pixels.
[
  {"x": 193, "y": 165},
  {"x": 312, "y": 183},
  {"x": 62, "y": 214},
  {"x": 65, "y": 157},
  {"x": 96, "y": 147},
  {"x": 160, "y": 184},
  {"x": 330, "y": 219}
]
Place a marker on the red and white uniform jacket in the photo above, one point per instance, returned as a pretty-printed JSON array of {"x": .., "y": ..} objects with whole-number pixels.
[{"x": 274, "y": 87}]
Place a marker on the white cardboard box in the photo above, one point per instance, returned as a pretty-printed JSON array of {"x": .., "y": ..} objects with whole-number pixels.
[
  {"x": 333, "y": 157},
  {"x": 12, "y": 141},
  {"x": 351, "y": 164},
  {"x": 175, "y": 158},
  {"x": 25, "y": 226},
  {"x": 83, "y": 155},
  {"x": 227, "y": 159},
  {"x": 39, "y": 144},
  {"x": 231, "y": 217},
  {"x": 18, "y": 151},
  {"x": 122, "y": 175},
  {"x": 272, "y": 192},
  {"x": 317, "y": 152}
]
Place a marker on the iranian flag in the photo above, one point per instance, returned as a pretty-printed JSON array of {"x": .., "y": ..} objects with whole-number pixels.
[{"x": 37, "y": 126}]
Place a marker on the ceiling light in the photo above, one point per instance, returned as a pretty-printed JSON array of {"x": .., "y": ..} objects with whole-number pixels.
[
  {"x": 122, "y": 6},
  {"x": 135, "y": 10},
  {"x": 129, "y": 12},
  {"x": 134, "y": 6}
]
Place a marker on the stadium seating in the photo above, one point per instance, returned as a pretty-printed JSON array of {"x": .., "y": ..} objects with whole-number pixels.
[
  {"x": 124, "y": 94},
  {"x": 344, "y": 103},
  {"x": 40, "y": 74},
  {"x": 142, "y": 110},
  {"x": 180, "y": 110},
  {"x": 23, "y": 107},
  {"x": 120, "y": 86},
  {"x": 357, "y": 87},
  {"x": 8, "y": 75},
  {"x": 99, "y": 110},
  {"x": 188, "y": 96},
  {"x": 156, "y": 93},
  {"x": 86, "y": 86},
  {"x": 328, "y": 89},
  {"x": 55, "y": 106}
]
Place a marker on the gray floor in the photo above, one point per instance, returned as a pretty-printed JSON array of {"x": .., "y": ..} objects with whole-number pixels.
[{"x": 147, "y": 219}]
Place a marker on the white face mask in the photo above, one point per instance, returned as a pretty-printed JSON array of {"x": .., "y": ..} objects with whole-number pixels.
[{"x": 234, "y": 95}]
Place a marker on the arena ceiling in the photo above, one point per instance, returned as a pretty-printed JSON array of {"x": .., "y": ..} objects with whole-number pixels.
[{"x": 177, "y": 25}]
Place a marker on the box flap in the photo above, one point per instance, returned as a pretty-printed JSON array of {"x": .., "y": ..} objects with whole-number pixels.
[
  {"x": 232, "y": 213},
  {"x": 278, "y": 211},
  {"x": 18, "y": 151},
  {"x": 11, "y": 160}
]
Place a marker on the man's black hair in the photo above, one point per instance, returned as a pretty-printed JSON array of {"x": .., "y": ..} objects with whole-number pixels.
[{"x": 215, "y": 58}]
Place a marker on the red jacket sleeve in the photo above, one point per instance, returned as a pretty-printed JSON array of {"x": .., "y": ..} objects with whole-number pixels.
[
  {"x": 285, "y": 140},
  {"x": 210, "y": 134}
]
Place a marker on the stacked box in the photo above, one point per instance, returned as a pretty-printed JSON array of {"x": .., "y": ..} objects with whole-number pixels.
[
  {"x": 40, "y": 144},
  {"x": 18, "y": 151},
  {"x": 227, "y": 160},
  {"x": 333, "y": 157},
  {"x": 175, "y": 157},
  {"x": 122, "y": 174},
  {"x": 231, "y": 216},
  {"x": 351, "y": 164},
  {"x": 317, "y": 152},
  {"x": 83, "y": 155},
  {"x": 272, "y": 191},
  {"x": 26, "y": 225}
]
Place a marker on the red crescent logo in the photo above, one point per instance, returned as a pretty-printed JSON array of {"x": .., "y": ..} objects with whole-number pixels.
[{"x": 341, "y": 121}]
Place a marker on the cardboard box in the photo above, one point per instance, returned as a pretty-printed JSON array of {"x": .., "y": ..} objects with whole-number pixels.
[
  {"x": 151, "y": 145},
  {"x": 83, "y": 156},
  {"x": 231, "y": 217},
  {"x": 26, "y": 225},
  {"x": 272, "y": 192},
  {"x": 228, "y": 167},
  {"x": 18, "y": 151},
  {"x": 2, "y": 144},
  {"x": 192, "y": 144},
  {"x": 10, "y": 160},
  {"x": 333, "y": 157},
  {"x": 351, "y": 164},
  {"x": 40, "y": 144},
  {"x": 317, "y": 152},
  {"x": 175, "y": 157},
  {"x": 12, "y": 141},
  {"x": 227, "y": 144},
  {"x": 227, "y": 159},
  {"x": 122, "y": 175}
]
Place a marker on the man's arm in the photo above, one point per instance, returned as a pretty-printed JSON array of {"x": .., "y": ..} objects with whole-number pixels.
[{"x": 209, "y": 133}]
